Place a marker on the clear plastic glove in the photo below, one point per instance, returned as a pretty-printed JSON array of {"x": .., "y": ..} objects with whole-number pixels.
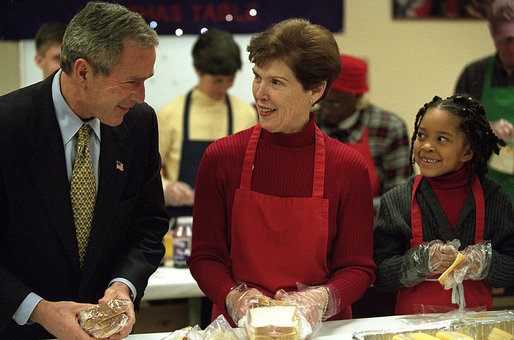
[
  {"x": 455, "y": 276},
  {"x": 478, "y": 258},
  {"x": 178, "y": 194},
  {"x": 441, "y": 256},
  {"x": 315, "y": 303},
  {"x": 426, "y": 259},
  {"x": 503, "y": 129},
  {"x": 240, "y": 299}
]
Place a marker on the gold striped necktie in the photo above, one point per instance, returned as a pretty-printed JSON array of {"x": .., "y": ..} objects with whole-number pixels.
[{"x": 83, "y": 191}]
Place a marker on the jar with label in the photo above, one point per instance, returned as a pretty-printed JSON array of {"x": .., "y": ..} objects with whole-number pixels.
[
  {"x": 167, "y": 260},
  {"x": 182, "y": 235}
]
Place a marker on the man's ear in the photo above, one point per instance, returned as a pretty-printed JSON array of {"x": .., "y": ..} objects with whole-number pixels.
[
  {"x": 82, "y": 71},
  {"x": 38, "y": 59}
]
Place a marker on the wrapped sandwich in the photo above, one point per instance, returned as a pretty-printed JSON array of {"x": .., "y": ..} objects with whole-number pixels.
[
  {"x": 103, "y": 320},
  {"x": 273, "y": 322}
]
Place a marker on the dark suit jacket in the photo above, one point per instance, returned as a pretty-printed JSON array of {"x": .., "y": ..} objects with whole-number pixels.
[{"x": 38, "y": 246}]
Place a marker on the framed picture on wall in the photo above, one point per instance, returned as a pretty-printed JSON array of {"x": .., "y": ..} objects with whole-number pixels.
[{"x": 442, "y": 9}]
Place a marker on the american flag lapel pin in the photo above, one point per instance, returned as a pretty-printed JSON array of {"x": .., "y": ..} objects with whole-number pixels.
[{"x": 119, "y": 166}]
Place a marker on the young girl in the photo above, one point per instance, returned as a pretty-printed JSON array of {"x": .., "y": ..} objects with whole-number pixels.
[{"x": 450, "y": 207}]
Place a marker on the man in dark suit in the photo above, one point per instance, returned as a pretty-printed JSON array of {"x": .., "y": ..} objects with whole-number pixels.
[{"x": 107, "y": 54}]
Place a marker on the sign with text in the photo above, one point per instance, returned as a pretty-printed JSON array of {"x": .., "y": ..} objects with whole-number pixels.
[{"x": 20, "y": 19}]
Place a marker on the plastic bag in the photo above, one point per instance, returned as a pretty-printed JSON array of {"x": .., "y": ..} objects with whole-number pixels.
[
  {"x": 218, "y": 329},
  {"x": 275, "y": 322},
  {"x": 103, "y": 320},
  {"x": 179, "y": 334}
]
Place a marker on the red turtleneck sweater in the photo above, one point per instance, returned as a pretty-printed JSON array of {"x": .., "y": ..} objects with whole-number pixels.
[{"x": 451, "y": 191}]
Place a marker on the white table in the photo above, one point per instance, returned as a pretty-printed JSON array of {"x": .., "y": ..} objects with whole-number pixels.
[
  {"x": 331, "y": 330},
  {"x": 341, "y": 330},
  {"x": 176, "y": 283},
  {"x": 172, "y": 283}
]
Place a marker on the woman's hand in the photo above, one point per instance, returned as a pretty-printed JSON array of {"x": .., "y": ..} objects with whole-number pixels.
[
  {"x": 503, "y": 129},
  {"x": 311, "y": 302},
  {"x": 240, "y": 299}
]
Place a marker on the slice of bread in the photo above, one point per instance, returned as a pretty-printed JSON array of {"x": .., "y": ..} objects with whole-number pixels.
[
  {"x": 281, "y": 336},
  {"x": 273, "y": 322}
]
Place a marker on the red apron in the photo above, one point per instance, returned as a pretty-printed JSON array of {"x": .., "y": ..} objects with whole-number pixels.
[
  {"x": 430, "y": 296},
  {"x": 363, "y": 148},
  {"x": 279, "y": 241}
]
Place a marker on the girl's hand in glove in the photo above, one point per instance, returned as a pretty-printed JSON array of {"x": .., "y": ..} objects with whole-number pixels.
[{"x": 442, "y": 255}]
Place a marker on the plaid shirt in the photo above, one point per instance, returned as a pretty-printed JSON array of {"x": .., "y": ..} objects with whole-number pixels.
[
  {"x": 471, "y": 81},
  {"x": 388, "y": 142}
]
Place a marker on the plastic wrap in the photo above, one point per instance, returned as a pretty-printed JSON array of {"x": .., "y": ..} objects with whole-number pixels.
[
  {"x": 442, "y": 255},
  {"x": 428, "y": 258},
  {"x": 103, "y": 320},
  {"x": 451, "y": 276},
  {"x": 179, "y": 334},
  {"x": 315, "y": 303},
  {"x": 240, "y": 299},
  {"x": 218, "y": 329},
  {"x": 479, "y": 257},
  {"x": 284, "y": 322}
]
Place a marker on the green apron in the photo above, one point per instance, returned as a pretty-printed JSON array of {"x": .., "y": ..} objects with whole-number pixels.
[{"x": 498, "y": 103}]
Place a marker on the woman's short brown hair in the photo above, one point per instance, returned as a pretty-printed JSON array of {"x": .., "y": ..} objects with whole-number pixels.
[{"x": 309, "y": 50}]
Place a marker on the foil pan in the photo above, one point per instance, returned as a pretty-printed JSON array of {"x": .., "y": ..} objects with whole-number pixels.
[{"x": 476, "y": 325}]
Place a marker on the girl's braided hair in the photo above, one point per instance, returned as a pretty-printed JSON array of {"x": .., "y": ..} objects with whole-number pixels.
[{"x": 473, "y": 122}]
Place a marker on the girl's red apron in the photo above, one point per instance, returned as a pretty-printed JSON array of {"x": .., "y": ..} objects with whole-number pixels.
[
  {"x": 430, "y": 296},
  {"x": 363, "y": 148},
  {"x": 279, "y": 241}
]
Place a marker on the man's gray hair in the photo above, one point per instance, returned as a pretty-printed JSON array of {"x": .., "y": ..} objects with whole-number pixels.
[{"x": 98, "y": 34}]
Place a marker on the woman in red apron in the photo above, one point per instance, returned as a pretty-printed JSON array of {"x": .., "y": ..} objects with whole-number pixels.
[
  {"x": 450, "y": 202},
  {"x": 282, "y": 207}
]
